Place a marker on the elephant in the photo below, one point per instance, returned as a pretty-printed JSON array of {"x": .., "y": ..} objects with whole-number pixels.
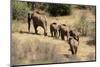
[
  {"x": 38, "y": 20},
  {"x": 54, "y": 30},
  {"x": 73, "y": 43},
  {"x": 63, "y": 31},
  {"x": 74, "y": 34}
]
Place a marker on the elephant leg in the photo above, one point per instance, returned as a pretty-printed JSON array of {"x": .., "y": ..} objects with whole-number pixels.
[
  {"x": 75, "y": 49},
  {"x": 71, "y": 46},
  {"x": 45, "y": 31},
  {"x": 59, "y": 33},
  {"x": 35, "y": 28},
  {"x": 28, "y": 26},
  {"x": 68, "y": 37},
  {"x": 72, "y": 49},
  {"x": 55, "y": 34},
  {"x": 51, "y": 33},
  {"x": 62, "y": 36}
]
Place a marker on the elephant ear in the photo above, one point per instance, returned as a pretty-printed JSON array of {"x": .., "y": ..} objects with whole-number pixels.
[{"x": 38, "y": 12}]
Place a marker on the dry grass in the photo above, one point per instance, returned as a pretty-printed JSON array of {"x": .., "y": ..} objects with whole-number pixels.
[
  {"x": 32, "y": 49},
  {"x": 29, "y": 48},
  {"x": 37, "y": 49}
]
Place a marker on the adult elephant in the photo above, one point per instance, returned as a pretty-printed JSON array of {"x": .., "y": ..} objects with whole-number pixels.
[
  {"x": 38, "y": 20},
  {"x": 63, "y": 31}
]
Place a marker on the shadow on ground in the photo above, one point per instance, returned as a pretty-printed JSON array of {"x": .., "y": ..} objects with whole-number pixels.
[
  {"x": 22, "y": 32},
  {"x": 91, "y": 42}
]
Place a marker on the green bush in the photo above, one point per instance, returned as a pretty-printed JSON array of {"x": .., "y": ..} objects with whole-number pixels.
[
  {"x": 19, "y": 9},
  {"x": 59, "y": 9}
]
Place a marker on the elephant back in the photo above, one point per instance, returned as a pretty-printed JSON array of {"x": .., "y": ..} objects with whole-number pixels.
[{"x": 39, "y": 18}]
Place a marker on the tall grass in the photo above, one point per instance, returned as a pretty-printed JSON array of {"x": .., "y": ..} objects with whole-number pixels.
[{"x": 86, "y": 28}]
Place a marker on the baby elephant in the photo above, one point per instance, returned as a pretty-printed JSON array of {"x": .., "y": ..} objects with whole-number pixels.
[
  {"x": 54, "y": 30},
  {"x": 73, "y": 41},
  {"x": 73, "y": 45},
  {"x": 63, "y": 31}
]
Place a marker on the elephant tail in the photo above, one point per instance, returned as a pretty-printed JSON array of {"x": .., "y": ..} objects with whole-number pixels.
[{"x": 45, "y": 21}]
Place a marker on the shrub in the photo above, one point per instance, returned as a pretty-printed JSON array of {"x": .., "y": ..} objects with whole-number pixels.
[{"x": 86, "y": 28}]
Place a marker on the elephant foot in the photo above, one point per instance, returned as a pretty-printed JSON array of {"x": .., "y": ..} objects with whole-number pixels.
[
  {"x": 63, "y": 39},
  {"x": 45, "y": 34},
  {"x": 28, "y": 31},
  {"x": 36, "y": 33}
]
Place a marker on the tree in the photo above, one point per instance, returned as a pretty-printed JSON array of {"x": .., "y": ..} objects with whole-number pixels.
[{"x": 59, "y": 9}]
